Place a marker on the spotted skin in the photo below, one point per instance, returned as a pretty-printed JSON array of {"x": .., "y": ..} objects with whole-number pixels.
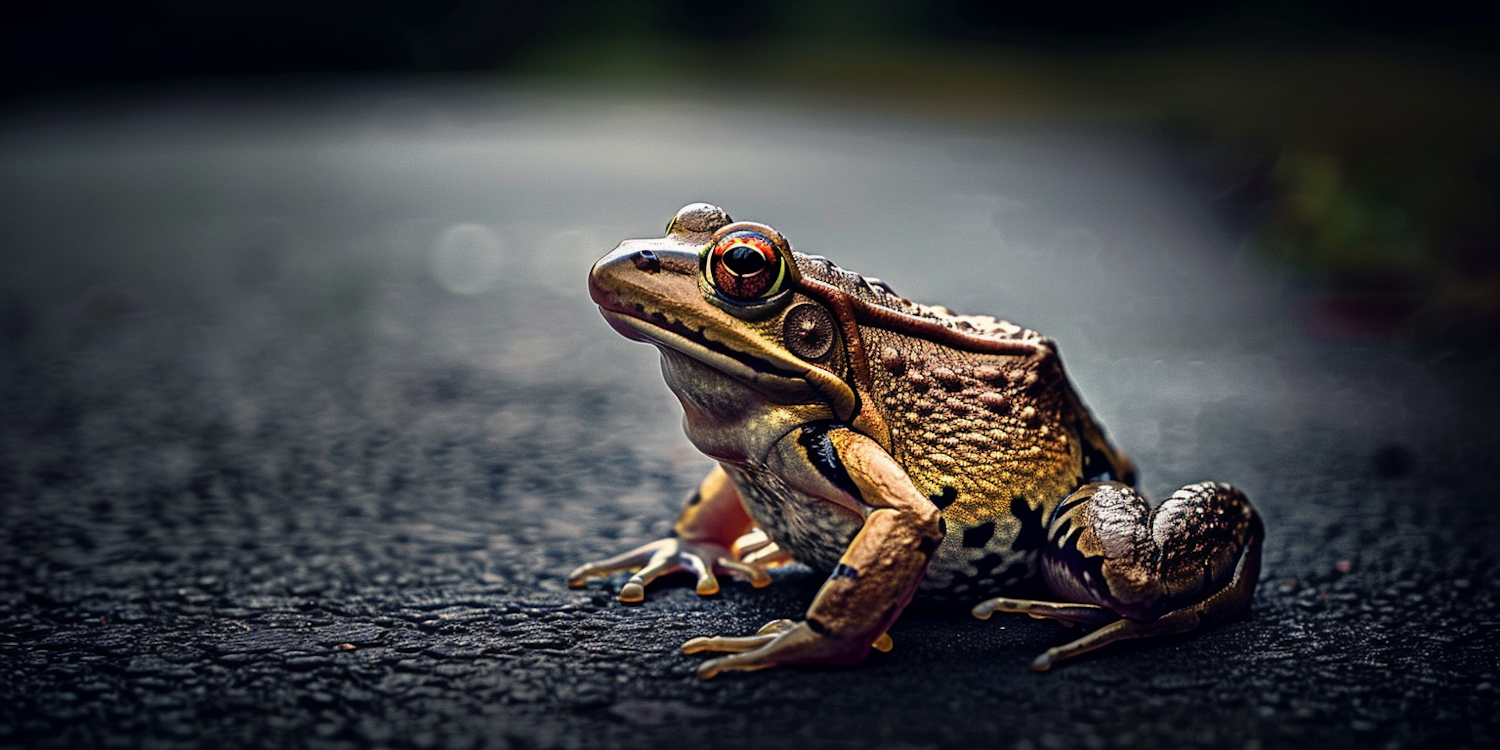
[
  {"x": 813, "y": 530},
  {"x": 994, "y": 440},
  {"x": 907, "y": 451}
]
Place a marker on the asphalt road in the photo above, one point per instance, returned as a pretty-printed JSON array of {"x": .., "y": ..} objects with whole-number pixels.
[{"x": 305, "y": 416}]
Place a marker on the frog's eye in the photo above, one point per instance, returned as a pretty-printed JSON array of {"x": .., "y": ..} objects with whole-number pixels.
[{"x": 745, "y": 266}]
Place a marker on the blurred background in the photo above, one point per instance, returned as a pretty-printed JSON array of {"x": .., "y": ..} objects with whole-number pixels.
[{"x": 1356, "y": 145}]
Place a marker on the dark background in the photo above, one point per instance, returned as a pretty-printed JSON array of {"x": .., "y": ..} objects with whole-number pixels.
[
  {"x": 305, "y": 414},
  {"x": 66, "y": 44},
  {"x": 1358, "y": 139}
]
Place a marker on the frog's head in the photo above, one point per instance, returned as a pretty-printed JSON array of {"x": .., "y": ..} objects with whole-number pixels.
[{"x": 727, "y": 296}]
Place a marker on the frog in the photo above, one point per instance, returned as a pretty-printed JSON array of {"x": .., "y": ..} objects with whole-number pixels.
[{"x": 905, "y": 451}]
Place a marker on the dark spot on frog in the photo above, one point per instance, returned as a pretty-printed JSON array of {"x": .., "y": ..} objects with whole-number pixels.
[
  {"x": 945, "y": 498},
  {"x": 1083, "y": 567},
  {"x": 817, "y": 626},
  {"x": 988, "y": 564},
  {"x": 1032, "y": 527},
  {"x": 929, "y": 545},
  {"x": 647, "y": 261},
  {"x": 1393, "y": 461},
  {"x": 844, "y": 571},
  {"x": 1015, "y": 572},
  {"x": 1096, "y": 466},
  {"x": 825, "y": 457},
  {"x": 1073, "y": 501},
  {"x": 1066, "y": 536},
  {"x": 977, "y": 537},
  {"x": 991, "y": 576}
]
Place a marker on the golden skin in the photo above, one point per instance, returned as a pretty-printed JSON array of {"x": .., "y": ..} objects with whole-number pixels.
[{"x": 907, "y": 450}]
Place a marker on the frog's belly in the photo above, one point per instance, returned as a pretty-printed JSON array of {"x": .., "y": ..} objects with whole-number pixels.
[
  {"x": 978, "y": 562},
  {"x": 812, "y": 530},
  {"x": 816, "y": 532}
]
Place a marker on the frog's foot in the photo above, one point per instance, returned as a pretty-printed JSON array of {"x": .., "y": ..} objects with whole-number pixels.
[
  {"x": 1067, "y": 614},
  {"x": 664, "y": 556},
  {"x": 755, "y": 548},
  {"x": 777, "y": 642},
  {"x": 1189, "y": 563},
  {"x": 766, "y": 634}
]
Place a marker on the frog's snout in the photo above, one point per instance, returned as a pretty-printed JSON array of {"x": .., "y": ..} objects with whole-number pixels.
[
  {"x": 641, "y": 270},
  {"x": 608, "y": 276}
]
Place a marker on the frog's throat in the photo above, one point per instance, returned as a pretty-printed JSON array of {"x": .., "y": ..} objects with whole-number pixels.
[{"x": 766, "y": 369}]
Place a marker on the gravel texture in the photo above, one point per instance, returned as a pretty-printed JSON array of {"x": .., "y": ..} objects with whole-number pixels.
[{"x": 305, "y": 414}]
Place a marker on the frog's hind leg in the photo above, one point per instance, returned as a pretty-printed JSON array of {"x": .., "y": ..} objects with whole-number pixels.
[{"x": 1142, "y": 572}]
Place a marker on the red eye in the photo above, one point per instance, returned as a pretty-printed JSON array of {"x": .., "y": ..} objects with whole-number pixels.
[{"x": 746, "y": 266}]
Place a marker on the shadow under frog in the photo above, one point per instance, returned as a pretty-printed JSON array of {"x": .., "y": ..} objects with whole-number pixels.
[{"x": 907, "y": 450}]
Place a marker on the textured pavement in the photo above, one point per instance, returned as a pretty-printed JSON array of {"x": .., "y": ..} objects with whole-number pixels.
[{"x": 305, "y": 415}]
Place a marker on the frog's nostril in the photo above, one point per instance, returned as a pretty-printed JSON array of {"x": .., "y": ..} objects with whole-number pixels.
[{"x": 647, "y": 261}]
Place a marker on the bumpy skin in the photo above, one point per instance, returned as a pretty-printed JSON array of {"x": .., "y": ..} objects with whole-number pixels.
[
  {"x": 995, "y": 441},
  {"x": 907, "y": 450}
]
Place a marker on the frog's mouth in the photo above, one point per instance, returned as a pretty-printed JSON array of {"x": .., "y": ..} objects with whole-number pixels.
[
  {"x": 778, "y": 375},
  {"x": 658, "y": 329}
]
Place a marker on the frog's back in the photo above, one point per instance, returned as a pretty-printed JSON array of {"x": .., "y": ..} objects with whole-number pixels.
[{"x": 987, "y": 436}]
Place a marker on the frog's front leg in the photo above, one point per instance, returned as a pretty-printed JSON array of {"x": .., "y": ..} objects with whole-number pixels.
[
  {"x": 874, "y": 579},
  {"x": 1142, "y": 572},
  {"x": 702, "y": 543}
]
